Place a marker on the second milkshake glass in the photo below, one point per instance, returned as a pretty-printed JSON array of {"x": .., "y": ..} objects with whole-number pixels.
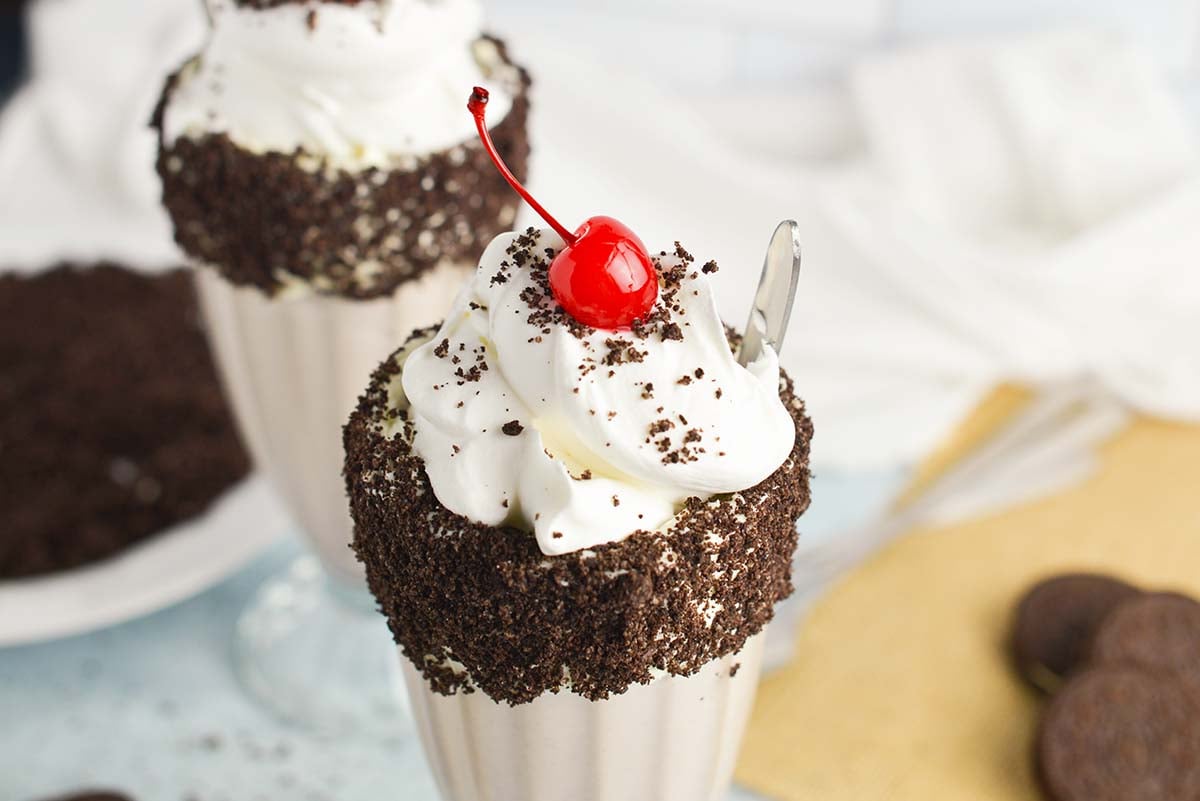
[
  {"x": 311, "y": 644},
  {"x": 320, "y": 178}
]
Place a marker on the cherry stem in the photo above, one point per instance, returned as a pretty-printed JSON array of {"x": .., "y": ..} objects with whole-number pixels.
[{"x": 477, "y": 105}]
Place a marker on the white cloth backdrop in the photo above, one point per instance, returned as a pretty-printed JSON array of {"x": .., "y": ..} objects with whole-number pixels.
[
  {"x": 1015, "y": 215},
  {"x": 1012, "y": 209},
  {"x": 76, "y": 153}
]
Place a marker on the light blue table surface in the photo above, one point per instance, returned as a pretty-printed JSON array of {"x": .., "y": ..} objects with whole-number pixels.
[{"x": 152, "y": 707}]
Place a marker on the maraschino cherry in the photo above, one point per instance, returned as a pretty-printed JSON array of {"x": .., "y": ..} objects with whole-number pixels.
[{"x": 603, "y": 277}]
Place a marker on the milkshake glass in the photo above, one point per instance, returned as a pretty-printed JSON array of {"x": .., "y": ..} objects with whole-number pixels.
[
  {"x": 319, "y": 176},
  {"x": 578, "y": 534}
]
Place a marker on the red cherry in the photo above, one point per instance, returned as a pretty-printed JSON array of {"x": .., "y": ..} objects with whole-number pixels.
[{"x": 603, "y": 277}]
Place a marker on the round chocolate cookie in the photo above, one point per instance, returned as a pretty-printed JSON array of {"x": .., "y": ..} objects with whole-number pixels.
[
  {"x": 1055, "y": 621},
  {"x": 1121, "y": 734},
  {"x": 112, "y": 421},
  {"x": 1159, "y": 632}
]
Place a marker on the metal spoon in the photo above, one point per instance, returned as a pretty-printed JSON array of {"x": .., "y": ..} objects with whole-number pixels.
[{"x": 772, "y": 306}]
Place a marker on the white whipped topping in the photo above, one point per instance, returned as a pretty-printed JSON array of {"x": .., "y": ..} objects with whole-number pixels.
[
  {"x": 577, "y": 422},
  {"x": 364, "y": 85}
]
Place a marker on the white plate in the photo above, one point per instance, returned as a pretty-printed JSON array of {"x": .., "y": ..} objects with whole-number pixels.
[{"x": 171, "y": 566}]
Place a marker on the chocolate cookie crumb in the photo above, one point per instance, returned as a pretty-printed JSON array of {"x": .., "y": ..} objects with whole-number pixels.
[
  {"x": 486, "y": 598},
  {"x": 236, "y": 209},
  {"x": 621, "y": 351},
  {"x": 512, "y": 428},
  {"x": 659, "y": 426},
  {"x": 113, "y": 426}
]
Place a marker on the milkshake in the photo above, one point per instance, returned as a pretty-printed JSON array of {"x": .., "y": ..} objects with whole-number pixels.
[
  {"x": 319, "y": 173},
  {"x": 577, "y": 510}
]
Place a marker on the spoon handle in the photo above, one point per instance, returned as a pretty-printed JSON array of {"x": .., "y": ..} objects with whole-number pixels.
[{"x": 776, "y": 292}]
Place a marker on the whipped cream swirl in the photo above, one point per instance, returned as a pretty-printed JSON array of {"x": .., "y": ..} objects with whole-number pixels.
[
  {"x": 584, "y": 436},
  {"x": 361, "y": 85}
]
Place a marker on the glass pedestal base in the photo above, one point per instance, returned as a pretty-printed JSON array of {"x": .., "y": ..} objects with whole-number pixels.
[{"x": 319, "y": 656}]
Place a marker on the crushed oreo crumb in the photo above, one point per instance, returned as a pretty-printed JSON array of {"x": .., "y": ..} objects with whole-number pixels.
[
  {"x": 481, "y": 608},
  {"x": 113, "y": 426},
  {"x": 236, "y": 210},
  {"x": 621, "y": 351},
  {"x": 672, "y": 331}
]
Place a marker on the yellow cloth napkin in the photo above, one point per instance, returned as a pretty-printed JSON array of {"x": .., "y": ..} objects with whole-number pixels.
[{"x": 901, "y": 687}]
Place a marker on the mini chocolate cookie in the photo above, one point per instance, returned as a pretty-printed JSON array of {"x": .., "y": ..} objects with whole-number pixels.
[
  {"x": 1121, "y": 733},
  {"x": 1160, "y": 632},
  {"x": 1055, "y": 622}
]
